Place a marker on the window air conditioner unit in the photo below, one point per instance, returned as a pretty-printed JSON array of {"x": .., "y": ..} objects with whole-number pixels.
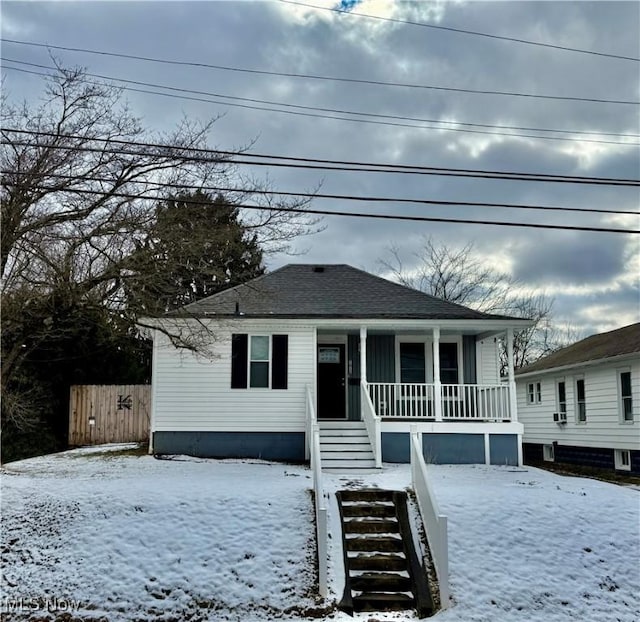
[{"x": 560, "y": 417}]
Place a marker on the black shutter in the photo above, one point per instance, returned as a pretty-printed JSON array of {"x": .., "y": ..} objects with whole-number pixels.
[
  {"x": 239, "y": 353},
  {"x": 279, "y": 365}
]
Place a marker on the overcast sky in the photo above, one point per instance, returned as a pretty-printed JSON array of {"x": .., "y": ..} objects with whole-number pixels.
[{"x": 592, "y": 276}]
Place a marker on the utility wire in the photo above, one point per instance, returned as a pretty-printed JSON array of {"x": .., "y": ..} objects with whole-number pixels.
[
  {"x": 322, "y": 77},
  {"x": 341, "y": 197},
  {"x": 336, "y": 118},
  {"x": 465, "y": 32},
  {"x": 307, "y": 210},
  {"x": 354, "y": 166},
  {"x": 334, "y": 110}
]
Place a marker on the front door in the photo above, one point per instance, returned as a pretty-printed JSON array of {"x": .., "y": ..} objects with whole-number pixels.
[{"x": 331, "y": 381}]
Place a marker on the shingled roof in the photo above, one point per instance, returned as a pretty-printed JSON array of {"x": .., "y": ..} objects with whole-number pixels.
[
  {"x": 329, "y": 291},
  {"x": 603, "y": 346}
]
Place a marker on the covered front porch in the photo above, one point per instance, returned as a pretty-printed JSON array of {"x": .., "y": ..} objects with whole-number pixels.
[
  {"x": 440, "y": 380},
  {"x": 428, "y": 374}
]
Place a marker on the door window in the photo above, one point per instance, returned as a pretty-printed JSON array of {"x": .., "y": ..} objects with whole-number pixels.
[
  {"x": 328, "y": 355},
  {"x": 449, "y": 363},
  {"x": 412, "y": 364}
]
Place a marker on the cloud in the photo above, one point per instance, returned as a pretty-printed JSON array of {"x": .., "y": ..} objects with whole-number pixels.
[
  {"x": 570, "y": 259},
  {"x": 275, "y": 36}
]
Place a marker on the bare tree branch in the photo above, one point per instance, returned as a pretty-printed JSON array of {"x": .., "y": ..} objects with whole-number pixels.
[{"x": 461, "y": 276}]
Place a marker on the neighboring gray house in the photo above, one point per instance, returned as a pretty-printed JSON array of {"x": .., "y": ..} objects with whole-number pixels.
[
  {"x": 369, "y": 358},
  {"x": 580, "y": 405}
]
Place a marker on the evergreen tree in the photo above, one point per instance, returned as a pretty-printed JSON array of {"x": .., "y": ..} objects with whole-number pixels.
[{"x": 197, "y": 247}]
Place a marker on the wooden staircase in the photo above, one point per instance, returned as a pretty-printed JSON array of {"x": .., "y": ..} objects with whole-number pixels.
[
  {"x": 345, "y": 447},
  {"x": 382, "y": 569}
]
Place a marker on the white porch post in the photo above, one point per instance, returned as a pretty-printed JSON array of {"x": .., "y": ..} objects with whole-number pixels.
[
  {"x": 520, "y": 456},
  {"x": 437, "y": 387},
  {"x": 487, "y": 449},
  {"x": 363, "y": 353},
  {"x": 513, "y": 402}
]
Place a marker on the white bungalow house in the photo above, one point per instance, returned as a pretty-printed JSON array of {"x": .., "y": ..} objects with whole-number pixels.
[
  {"x": 580, "y": 405},
  {"x": 367, "y": 357}
]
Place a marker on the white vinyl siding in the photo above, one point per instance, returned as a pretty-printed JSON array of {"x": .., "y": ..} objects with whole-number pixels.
[
  {"x": 604, "y": 426},
  {"x": 193, "y": 393}
]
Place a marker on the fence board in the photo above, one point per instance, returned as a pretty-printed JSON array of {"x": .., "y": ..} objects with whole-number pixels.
[{"x": 121, "y": 414}]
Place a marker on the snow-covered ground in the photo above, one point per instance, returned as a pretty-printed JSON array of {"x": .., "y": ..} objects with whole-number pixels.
[{"x": 133, "y": 538}]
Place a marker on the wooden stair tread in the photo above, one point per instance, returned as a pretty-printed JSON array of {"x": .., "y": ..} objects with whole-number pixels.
[
  {"x": 366, "y": 494},
  {"x": 379, "y": 601},
  {"x": 382, "y": 570},
  {"x": 378, "y": 561},
  {"x": 381, "y": 582}
]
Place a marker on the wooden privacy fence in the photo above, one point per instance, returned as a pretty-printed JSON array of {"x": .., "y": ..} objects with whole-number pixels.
[{"x": 109, "y": 414}]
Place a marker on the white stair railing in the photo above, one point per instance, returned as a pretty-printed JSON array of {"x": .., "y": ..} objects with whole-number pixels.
[
  {"x": 315, "y": 460},
  {"x": 371, "y": 422},
  {"x": 435, "y": 523}
]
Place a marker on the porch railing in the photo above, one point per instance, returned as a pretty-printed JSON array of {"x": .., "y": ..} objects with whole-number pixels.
[
  {"x": 402, "y": 400},
  {"x": 484, "y": 402},
  {"x": 372, "y": 422},
  {"x": 461, "y": 402}
]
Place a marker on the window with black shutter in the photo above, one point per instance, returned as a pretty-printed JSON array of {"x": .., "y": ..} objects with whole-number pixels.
[
  {"x": 280, "y": 364},
  {"x": 239, "y": 361},
  {"x": 259, "y": 361}
]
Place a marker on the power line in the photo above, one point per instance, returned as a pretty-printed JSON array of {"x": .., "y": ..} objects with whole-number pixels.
[
  {"x": 306, "y": 210},
  {"x": 466, "y": 32},
  {"x": 322, "y": 77},
  {"x": 336, "y": 118},
  {"x": 351, "y": 166},
  {"x": 337, "y": 111},
  {"x": 341, "y": 197}
]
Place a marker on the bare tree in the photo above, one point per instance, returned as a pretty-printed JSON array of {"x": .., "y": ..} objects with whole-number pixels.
[
  {"x": 456, "y": 275},
  {"x": 81, "y": 178},
  {"x": 461, "y": 276}
]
